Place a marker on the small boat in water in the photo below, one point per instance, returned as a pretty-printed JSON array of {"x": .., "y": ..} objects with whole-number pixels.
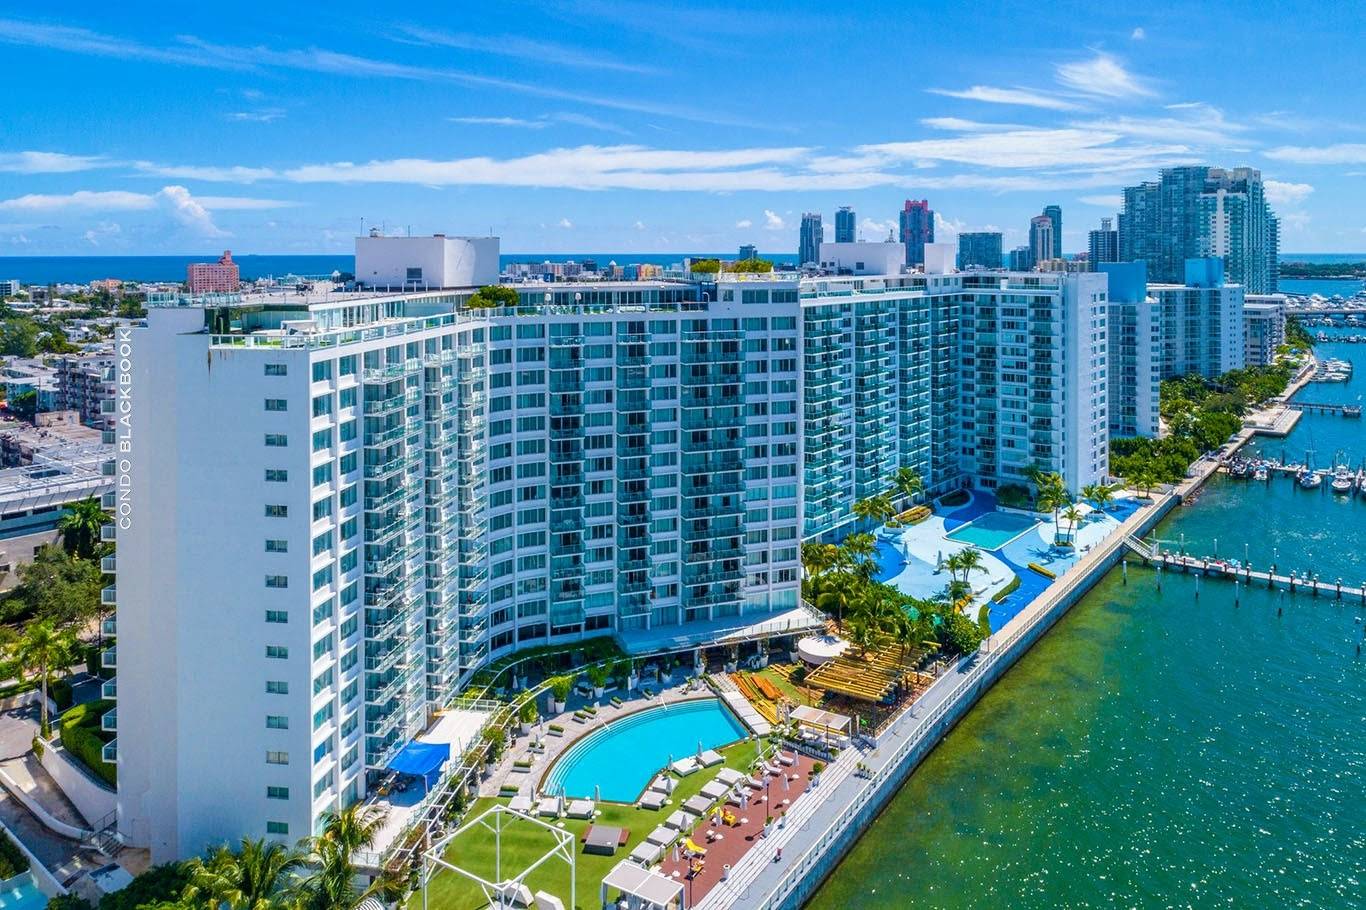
[
  {"x": 1260, "y": 472},
  {"x": 1342, "y": 481},
  {"x": 1310, "y": 480},
  {"x": 1238, "y": 468}
]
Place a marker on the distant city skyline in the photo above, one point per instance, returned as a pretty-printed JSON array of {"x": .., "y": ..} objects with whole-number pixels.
[{"x": 594, "y": 124}]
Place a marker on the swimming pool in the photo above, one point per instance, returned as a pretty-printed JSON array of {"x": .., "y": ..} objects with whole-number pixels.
[
  {"x": 993, "y": 530},
  {"x": 21, "y": 893},
  {"x": 622, "y": 757}
]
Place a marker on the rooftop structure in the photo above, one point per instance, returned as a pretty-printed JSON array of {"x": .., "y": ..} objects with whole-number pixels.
[{"x": 222, "y": 276}]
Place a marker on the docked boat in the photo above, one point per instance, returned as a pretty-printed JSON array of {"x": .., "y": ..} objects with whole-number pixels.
[
  {"x": 1260, "y": 472},
  {"x": 1361, "y": 482},
  {"x": 1310, "y": 480},
  {"x": 1342, "y": 481},
  {"x": 1238, "y": 468}
]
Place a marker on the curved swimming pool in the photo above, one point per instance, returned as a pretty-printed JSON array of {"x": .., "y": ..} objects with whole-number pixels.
[{"x": 623, "y": 756}]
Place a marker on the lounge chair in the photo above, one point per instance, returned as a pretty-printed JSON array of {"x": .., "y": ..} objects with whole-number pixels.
[
  {"x": 546, "y": 901},
  {"x": 754, "y": 783},
  {"x": 715, "y": 790},
  {"x": 661, "y": 784},
  {"x": 711, "y": 757},
  {"x": 550, "y": 807},
  {"x": 678, "y": 819},
  {"x": 520, "y": 803},
  {"x": 653, "y": 800},
  {"x": 662, "y": 836},
  {"x": 685, "y": 766},
  {"x": 786, "y": 759},
  {"x": 729, "y": 776},
  {"x": 698, "y": 805},
  {"x": 580, "y": 808},
  {"x": 517, "y": 894}
]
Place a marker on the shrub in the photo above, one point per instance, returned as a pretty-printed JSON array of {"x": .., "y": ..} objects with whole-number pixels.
[
  {"x": 527, "y": 714},
  {"x": 958, "y": 498},
  {"x": 1013, "y": 496},
  {"x": 817, "y": 767},
  {"x": 798, "y": 674},
  {"x": 12, "y": 859},
  {"x": 69, "y": 902},
  {"x": 159, "y": 884},
  {"x": 561, "y": 687},
  {"x": 60, "y": 690},
  {"x": 1008, "y": 590},
  {"x": 494, "y": 295},
  {"x": 81, "y": 737}
]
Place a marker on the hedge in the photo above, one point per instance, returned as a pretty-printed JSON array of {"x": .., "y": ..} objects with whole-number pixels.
[
  {"x": 12, "y": 859},
  {"x": 81, "y": 736},
  {"x": 1007, "y": 590}
]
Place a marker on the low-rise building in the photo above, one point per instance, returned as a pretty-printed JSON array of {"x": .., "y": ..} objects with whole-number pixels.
[
  {"x": 1263, "y": 327},
  {"x": 85, "y": 384}
]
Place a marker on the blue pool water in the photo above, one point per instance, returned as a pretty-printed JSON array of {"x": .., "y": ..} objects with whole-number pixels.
[
  {"x": 21, "y": 893},
  {"x": 622, "y": 757},
  {"x": 993, "y": 530}
]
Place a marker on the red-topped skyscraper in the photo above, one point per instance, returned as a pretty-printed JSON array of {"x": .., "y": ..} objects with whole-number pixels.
[
  {"x": 221, "y": 277},
  {"x": 917, "y": 229}
]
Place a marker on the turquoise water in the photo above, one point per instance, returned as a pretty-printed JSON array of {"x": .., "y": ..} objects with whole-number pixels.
[
  {"x": 1159, "y": 748},
  {"x": 993, "y": 530},
  {"x": 22, "y": 895},
  {"x": 622, "y": 757},
  {"x": 1322, "y": 437},
  {"x": 1326, "y": 287}
]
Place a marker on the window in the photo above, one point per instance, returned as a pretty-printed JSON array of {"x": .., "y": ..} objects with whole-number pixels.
[
  {"x": 322, "y": 508},
  {"x": 281, "y": 828},
  {"x": 277, "y": 475},
  {"x": 346, "y": 398},
  {"x": 322, "y": 578},
  {"x": 322, "y": 474},
  {"x": 277, "y": 511},
  {"x": 346, "y": 366},
  {"x": 277, "y": 581},
  {"x": 277, "y": 440},
  {"x": 322, "y": 716},
  {"x": 348, "y": 496},
  {"x": 277, "y": 404},
  {"x": 277, "y": 687},
  {"x": 277, "y": 546},
  {"x": 277, "y": 652},
  {"x": 322, "y": 405},
  {"x": 348, "y": 431},
  {"x": 348, "y": 463},
  {"x": 277, "y": 793},
  {"x": 277, "y": 616},
  {"x": 322, "y": 439},
  {"x": 322, "y": 370},
  {"x": 322, "y": 543},
  {"x": 277, "y": 369},
  {"x": 277, "y": 758},
  {"x": 277, "y": 722}
]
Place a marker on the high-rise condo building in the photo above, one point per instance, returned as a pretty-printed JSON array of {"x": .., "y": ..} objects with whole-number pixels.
[
  {"x": 916, "y": 225},
  {"x": 1197, "y": 212},
  {"x": 336, "y": 507},
  {"x": 1054, "y": 214},
  {"x": 979, "y": 249},
  {"x": 1102, "y": 245},
  {"x": 1040, "y": 240},
  {"x": 845, "y": 227},
  {"x": 748, "y": 251},
  {"x": 1019, "y": 259},
  {"x": 1202, "y": 322},
  {"x": 1135, "y": 350},
  {"x": 1263, "y": 327},
  {"x": 809, "y": 239}
]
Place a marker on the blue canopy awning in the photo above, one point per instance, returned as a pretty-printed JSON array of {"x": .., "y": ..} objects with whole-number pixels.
[{"x": 422, "y": 760}]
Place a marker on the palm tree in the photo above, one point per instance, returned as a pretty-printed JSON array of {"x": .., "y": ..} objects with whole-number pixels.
[
  {"x": 1099, "y": 494},
  {"x": 956, "y": 591},
  {"x": 1144, "y": 479},
  {"x": 835, "y": 599},
  {"x": 819, "y": 558},
  {"x": 332, "y": 885},
  {"x": 1074, "y": 517},
  {"x": 41, "y": 650},
  {"x": 1051, "y": 496},
  {"x": 908, "y": 482},
  {"x": 969, "y": 559},
  {"x": 258, "y": 876},
  {"x": 80, "y": 527},
  {"x": 858, "y": 551},
  {"x": 954, "y": 563},
  {"x": 876, "y": 510}
]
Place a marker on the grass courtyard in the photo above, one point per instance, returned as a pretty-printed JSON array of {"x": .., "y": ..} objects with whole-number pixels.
[{"x": 524, "y": 842}]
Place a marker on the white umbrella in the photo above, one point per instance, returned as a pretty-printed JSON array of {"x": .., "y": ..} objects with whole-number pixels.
[
  {"x": 597, "y": 793},
  {"x": 784, "y": 782},
  {"x": 699, "y": 750}
]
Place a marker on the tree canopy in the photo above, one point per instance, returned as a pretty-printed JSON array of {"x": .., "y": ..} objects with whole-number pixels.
[{"x": 494, "y": 295}]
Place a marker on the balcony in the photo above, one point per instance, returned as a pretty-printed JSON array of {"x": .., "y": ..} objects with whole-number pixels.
[
  {"x": 107, "y": 533},
  {"x": 109, "y": 627},
  {"x": 110, "y": 753},
  {"x": 110, "y": 689},
  {"x": 109, "y": 596},
  {"x": 107, "y": 565},
  {"x": 109, "y": 721},
  {"x": 109, "y": 658}
]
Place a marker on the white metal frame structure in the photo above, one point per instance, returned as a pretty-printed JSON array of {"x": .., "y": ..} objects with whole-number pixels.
[{"x": 499, "y": 893}]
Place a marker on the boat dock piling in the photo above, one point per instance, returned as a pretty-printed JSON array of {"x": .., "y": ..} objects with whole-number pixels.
[{"x": 1241, "y": 573}]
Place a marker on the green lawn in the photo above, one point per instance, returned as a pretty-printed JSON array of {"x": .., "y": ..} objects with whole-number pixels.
[{"x": 523, "y": 842}]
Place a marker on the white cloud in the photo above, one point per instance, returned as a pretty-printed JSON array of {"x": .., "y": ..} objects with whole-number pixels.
[
  {"x": 772, "y": 220},
  {"x": 1138, "y": 34},
  {"x": 177, "y": 202},
  {"x": 959, "y": 125},
  {"x": 519, "y": 122},
  {"x": 1289, "y": 194},
  {"x": 877, "y": 230},
  {"x": 1105, "y": 201},
  {"x": 102, "y": 231},
  {"x": 566, "y": 223},
  {"x": 264, "y": 115},
  {"x": 49, "y": 162},
  {"x": 1102, "y": 75},
  {"x": 1341, "y": 153},
  {"x": 1019, "y": 96},
  {"x": 1031, "y": 148},
  {"x": 81, "y": 200},
  {"x": 744, "y": 223},
  {"x": 519, "y": 48},
  {"x": 211, "y": 173},
  {"x": 244, "y": 203},
  {"x": 945, "y": 228},
  {"x": 639, "y": 225}
]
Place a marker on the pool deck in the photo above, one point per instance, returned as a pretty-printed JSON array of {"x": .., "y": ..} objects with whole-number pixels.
[
  {"x": 528, "y": 781},
  {"x": 907, "y": 557}
]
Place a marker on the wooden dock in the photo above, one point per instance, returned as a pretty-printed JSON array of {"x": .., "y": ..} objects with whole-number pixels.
[
  {"x": 1295, "y": 583},
  {"x": 1342, "y": 410}
]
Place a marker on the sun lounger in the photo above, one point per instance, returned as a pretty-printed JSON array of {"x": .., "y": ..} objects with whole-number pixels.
[
  {"x": 517, "y": 894},
  {"x": 685, "y": 766},
  {"x": 652, "y": 800},
  {"x": 785, "y": 759},
  {"x": 698, "y": 805},
  {"x": 520, "y": 804},
  {"x": 711, "y": 757},
  {"x": 729, "y": 776},
  {"x": 580, "y": 808},
  {"x": 661, "y": 784},
  {"x": 550, "y": 806},
  {"x": 754, "y": 783},
  {"x": 715, "y": 790},
  {"x": 646, "y": 853},
  {"x": 663, "y": 836},
  {"x": 546, "y": 901}
]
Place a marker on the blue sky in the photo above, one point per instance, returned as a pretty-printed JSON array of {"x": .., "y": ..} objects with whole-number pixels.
[{"x": 591, "y": 125}]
